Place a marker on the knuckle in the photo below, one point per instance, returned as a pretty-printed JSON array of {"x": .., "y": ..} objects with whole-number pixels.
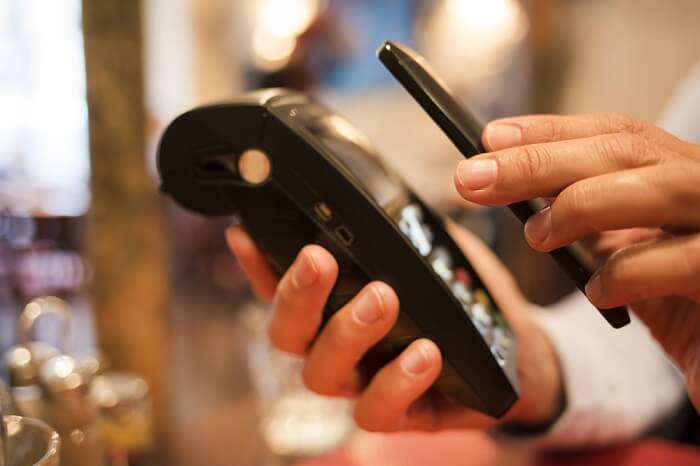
[
  {"x": 680, "y": 185},
  {"x": 342, "y": 336},
  {"x": 623, "y": 123},
  {"x": 318, "y": 383},
  {"x": 531, "y": 162},
  {"x": 641, "y": 150},
  {"x": 285, "y": 309},
  {"x": 375, "y": 420},
  {"x": 610, "y": 148},
  {"x": 367, "y": 422},
  {"x": 626, "y": 150},
  {"x": 339, "y": 337},
  {"x": 578, "y": 200},
  {"x": 285, "y": 296},
  {"x": 551, "y": 128},
  {"x": 282, "y": 341},
  {"x": 612, "y": 275}
]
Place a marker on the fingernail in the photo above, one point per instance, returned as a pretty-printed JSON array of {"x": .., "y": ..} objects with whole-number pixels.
[
  {"x": 503, "y": 135},
  {"x": 416, "y": 361},
  {"x": 594, "y": 289},
  {"x": 369, "y": 307},
  {"x": 477, "y": 174},
  {"x": 304, "y": 272},
  {"x": 538, "y": 226}
]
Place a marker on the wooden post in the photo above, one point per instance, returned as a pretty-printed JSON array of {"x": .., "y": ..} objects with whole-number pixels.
[{"x": 127, "y": 240}]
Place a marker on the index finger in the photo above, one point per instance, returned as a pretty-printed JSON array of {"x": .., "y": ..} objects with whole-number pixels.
[
  {"x": 263, "y": 278},
  {"x": 536, "y": 129},
  {"x": 539, "y": 170}
]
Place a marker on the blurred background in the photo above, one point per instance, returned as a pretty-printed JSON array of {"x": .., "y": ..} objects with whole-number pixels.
[{"x": 86, "y": 89}]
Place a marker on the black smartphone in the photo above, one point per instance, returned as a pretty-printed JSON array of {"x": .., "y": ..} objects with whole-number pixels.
[{"x": 415, "y": 75}]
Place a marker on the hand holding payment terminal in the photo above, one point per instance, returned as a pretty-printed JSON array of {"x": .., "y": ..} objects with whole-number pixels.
[{"x": 296, "y": 173}]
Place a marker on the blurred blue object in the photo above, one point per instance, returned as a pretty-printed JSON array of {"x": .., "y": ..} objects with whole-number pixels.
[{"x": 367, "y": 24}]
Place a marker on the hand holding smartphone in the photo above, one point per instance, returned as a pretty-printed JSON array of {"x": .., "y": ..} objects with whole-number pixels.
[{"x": 414, "y": 74}]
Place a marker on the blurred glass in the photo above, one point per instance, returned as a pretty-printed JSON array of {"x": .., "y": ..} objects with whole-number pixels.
[
  {"x": 126, "y": 418},
  {"x": 294, "y": 421},
  {"x": 30, "y": 442}
]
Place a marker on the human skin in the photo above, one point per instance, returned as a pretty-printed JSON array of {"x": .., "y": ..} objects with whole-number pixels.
[
  {"x": 397, "y": 397},
  {"x": 629, "y": 190}
]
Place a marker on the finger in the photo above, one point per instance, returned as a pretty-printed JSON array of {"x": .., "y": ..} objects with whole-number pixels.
[
  {"x": 383, "y": 406},
  {"x": 610, "y": 241},
  {"x": 663, "y": 268},
  {"x": 427, "y": 415},
  {"x": 300, "y": 298},
  {"x": 536, "y": 129},
  {"x": 645, "y": 197},
  {"x": 263, "y": 279},
  {"x": 348, "y": 335},
  {"x": 538, "y": 170}
]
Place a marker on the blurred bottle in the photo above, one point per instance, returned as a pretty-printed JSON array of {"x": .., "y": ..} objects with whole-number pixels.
[
  {"x": 126, "y": 419},
  {"x": 70, "y": 410},
  {"x": 27, "y": 442},
  {"x": 51, "y": 385}
]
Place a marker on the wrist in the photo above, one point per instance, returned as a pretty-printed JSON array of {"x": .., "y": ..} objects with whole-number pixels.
[
  {"x": 542, "y": 396},
  {"x": 691, "y": 369}
]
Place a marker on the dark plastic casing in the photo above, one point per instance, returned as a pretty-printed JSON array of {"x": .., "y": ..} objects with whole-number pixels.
[{"x": 198, "y": 161}]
